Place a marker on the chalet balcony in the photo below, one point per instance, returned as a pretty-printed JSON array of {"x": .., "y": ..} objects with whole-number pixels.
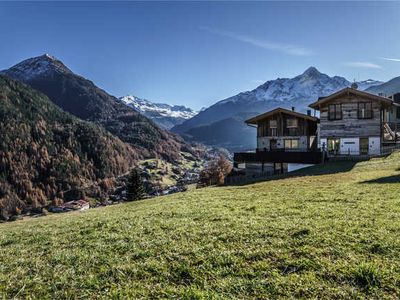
[{"x": 280, "y": 156}]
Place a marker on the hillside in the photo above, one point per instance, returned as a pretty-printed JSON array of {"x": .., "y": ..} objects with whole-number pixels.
[
  {"x": 45, "y": 151},
  {"x": 329, "y": 233},
  {"x": 165, "y": 115},
  {"x": 388, "y": 88},
  {"x": 84, "y": 99},
  {"x": 228, "y": 133},
  {"x": 297, "y": 92}
]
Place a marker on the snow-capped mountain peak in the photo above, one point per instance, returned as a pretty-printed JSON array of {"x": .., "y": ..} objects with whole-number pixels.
[
  {"x": 306, "y": 87},
  {"x": 164, "y": 114},
  {"x": 311, "y": 72},
  {"x": 41, "y": 66}
]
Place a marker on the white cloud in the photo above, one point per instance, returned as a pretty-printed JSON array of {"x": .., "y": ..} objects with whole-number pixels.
[
  {"x": 363, "y": 64},
  {"x": 262, "y": 43},
  {"x": 391, "y": 59}
]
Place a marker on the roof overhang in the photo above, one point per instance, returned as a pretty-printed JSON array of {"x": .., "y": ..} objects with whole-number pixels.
[
  {"x": 256, "y": 119},
  {"x": 348, "y": 92}
]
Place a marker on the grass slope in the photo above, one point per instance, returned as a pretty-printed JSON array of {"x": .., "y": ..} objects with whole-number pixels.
[{"x": 323, "y": 236}]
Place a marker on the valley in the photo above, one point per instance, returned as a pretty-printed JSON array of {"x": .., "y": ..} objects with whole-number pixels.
[{"x": 199, "y": 150}]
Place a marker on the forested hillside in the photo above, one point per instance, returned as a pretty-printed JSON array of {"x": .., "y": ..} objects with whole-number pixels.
[
  {"x": 82, "y": 98},
  {"x": 45, "y": 151}
]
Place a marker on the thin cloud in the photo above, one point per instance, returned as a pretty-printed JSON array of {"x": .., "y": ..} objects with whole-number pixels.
[
  {"x": 265, "y": 44},
  {"x": 363, "y": 64},
  {"x": 391, "y": 59}
]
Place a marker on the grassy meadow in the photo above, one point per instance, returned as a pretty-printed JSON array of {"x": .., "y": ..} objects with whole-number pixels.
[{"x": 328, "y": 232}]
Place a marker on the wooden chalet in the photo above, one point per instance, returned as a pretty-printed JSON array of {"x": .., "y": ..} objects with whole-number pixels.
[
  {"x": 355, "y": 123},
  {"x": 285, "y": 140}
]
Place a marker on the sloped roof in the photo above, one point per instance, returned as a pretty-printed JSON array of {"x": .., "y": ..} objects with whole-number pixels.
[
  {"x": 255, "y": 119},
  {"x": 346, "y": 92}
]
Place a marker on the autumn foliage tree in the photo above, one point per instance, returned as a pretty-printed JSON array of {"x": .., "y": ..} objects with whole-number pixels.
[{"x": 215, "y": 172}]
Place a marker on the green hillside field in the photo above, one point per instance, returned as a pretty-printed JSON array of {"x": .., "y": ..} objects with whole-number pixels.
[{"x": 331, "y": 231}]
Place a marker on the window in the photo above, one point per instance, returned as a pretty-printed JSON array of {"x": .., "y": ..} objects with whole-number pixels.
[
  {"x": 365, "y": 110},
  {"x": 292, "y": 144},
  {"x": 398, "y": 113},
  {"x": 291, "y": 123},
  {"x": 273, "y": 128},
  {"x": 335, "y": 112}
]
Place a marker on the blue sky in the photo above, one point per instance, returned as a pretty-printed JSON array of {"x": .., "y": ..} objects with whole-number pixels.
[{"x": 196, "y": 53}]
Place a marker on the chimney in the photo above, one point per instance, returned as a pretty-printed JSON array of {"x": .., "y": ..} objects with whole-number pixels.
[
  {"x": 293, "y": 108},
  {"x": 308, "y": 112}
]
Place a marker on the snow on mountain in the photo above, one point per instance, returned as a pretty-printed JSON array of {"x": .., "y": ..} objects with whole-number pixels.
[
  {"x": 388, "y": 88},
  {"x": 369, "y": 83},
  {"x": 296, "y": 92},
  {"x": 308, "y": 86},
  {"x": 40, "y": 66},
  {"x": 163, "y": 114}
]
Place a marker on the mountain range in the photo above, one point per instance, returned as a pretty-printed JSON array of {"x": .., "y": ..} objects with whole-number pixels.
[
  {"x": 82, "y": 98},
  {"x": 165, "y": 115},
  {"x": 230, "y": 113},
  {"x": 45, "y": 153},
  {"x": 63, "y": 136}
]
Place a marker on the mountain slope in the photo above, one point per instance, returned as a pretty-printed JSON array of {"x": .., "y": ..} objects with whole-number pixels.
[
  {"x": 228, "y": 133},
  {"x": 331, "y": 232},
  {"x": 285, "y": 92},
  {"x": 45, "y": 151},
  {"x": 165, "y": 115},
  {"x": 388, "y": 88},
  {"x": 85, "y": 100}
]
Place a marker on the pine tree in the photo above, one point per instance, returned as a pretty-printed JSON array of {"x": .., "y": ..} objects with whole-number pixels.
[{"x": 134, "y": 187}]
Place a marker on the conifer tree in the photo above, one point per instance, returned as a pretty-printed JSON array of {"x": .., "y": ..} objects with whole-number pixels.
[{"x": 134, "y": 188}]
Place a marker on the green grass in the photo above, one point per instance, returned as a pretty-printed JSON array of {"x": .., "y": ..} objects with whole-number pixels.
[
  {"x": 321, "y": 236},
  {"x": 168, "y": 179}
]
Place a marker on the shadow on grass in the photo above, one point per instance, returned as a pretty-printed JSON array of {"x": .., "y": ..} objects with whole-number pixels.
[
  {"x": 327, "y": 168},
  {"x": 323, "y": 169},
  {"x": 387, "y": 179}
]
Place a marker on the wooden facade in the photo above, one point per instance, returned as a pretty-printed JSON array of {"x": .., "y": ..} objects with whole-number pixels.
[
  {"x": 286, "y": 125},
  {"x": 282, "y": 129},
  {"x": 352, "y": 122}
]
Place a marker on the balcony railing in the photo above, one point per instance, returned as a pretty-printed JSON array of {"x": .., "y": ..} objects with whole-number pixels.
[{"x": 279, "y": 156}]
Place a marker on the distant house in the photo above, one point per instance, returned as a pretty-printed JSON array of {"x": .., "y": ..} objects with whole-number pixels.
[
  {"x": 354, "y": 123},
  {"x": 70, "y": 206},
  {"x": 286, "y": 140}
]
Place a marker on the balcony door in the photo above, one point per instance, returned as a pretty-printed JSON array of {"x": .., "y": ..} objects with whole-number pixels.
[
  {"x": 273, "y": 145},
  {"x": 333, "y": 145},
  {"x": 364, "y": 144}
]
